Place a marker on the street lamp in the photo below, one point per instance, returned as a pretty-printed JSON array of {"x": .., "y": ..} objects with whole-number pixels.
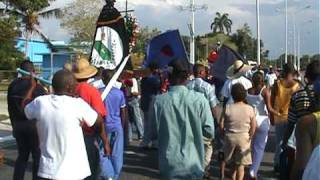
[{"x": 193, "y": 8}]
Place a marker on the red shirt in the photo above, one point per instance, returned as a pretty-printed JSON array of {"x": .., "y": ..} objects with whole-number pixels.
[{"x": 93, "y": 97}]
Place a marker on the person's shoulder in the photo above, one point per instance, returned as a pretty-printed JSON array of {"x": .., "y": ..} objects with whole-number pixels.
[{"x": 196, "y": 96}]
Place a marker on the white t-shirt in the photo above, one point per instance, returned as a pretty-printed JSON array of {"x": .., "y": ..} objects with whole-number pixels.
[
  {"x": 226, "y": 89},
  {"x": 271, "y": 78},
  {"x": 63, "y": 152}
]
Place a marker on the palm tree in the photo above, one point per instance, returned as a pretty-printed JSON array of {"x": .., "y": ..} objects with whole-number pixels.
[
  {"x": 29, "y": 14},
  {"x": 221, "y": 23}
]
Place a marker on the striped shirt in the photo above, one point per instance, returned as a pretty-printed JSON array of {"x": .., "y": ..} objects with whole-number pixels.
[
  {"x": 300, "y": 103},
  {"x": 208, "y": 90}
]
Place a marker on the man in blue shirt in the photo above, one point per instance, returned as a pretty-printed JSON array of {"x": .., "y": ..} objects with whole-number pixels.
[
  {"x": 208, "y": 90},
  {"x": 114, "y": 124},
  {"x": 150, "y": 87},
  {"x": 182, "y": 118}
]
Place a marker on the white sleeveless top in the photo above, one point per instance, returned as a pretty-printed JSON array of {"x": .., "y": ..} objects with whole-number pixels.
[{"x": 258, "y": 103}]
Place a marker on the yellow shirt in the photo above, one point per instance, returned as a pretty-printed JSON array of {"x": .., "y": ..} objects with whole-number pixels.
[
  {"x": 282, "y": 100},
  {"x": 317, "y": 138}
]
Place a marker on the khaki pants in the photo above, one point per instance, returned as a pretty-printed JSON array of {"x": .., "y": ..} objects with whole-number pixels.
[{"x": 208, "y": 149}]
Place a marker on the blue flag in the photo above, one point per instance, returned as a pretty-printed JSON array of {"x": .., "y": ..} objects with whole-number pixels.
[
  {"x": 164, "y": 48},
  {"x": 226, "y": 58}
]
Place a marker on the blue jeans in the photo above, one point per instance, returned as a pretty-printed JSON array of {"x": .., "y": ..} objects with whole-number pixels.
[
  {"x": 280, "y": 129},
  {"x": 111, "y": 166},
  {"x": 135, "y": 116}
]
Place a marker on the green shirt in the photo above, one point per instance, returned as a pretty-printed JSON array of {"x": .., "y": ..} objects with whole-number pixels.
[{"x": 182, "y": 118}]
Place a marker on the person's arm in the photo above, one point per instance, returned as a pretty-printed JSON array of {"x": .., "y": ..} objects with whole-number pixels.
[
  {"x": 253, "y": 124},
  {"x": 99, "y": 125},
  {"x": 267, "y": 99},
  {"x": 155, "y": 123},
  {"x": 207, "y": 120},
  {"x": 124, "y": 117},
  {"x": 303, "y": 144},
  {"x": 274, "y": 91},
  {"x": 93, "y": 119}
]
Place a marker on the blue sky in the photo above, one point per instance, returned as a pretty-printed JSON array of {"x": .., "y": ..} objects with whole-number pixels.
[{"x": 164, "y": 14}]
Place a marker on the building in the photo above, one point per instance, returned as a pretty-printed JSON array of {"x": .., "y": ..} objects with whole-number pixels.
[{"x": 49, "y": 58}]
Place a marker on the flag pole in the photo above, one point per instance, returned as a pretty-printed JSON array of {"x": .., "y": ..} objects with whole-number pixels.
[{"x": 114, "y": 78}]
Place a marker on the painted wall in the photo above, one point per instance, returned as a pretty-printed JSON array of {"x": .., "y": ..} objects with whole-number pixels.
[
  {"x": 58, "y": 63},
  {"x": 35, "y": 49}
]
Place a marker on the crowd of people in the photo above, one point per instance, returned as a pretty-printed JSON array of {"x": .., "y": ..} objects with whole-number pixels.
[{"x": 72, "y": 133}]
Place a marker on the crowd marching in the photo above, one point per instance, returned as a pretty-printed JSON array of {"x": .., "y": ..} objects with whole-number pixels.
[{"x": 72, "y": 133}]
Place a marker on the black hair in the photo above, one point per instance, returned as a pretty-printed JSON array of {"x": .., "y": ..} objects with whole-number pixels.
[
  {"x": 153, "y": 66},
  {"x": 180, "y": 71},
  {"x": 62, "y": 79},
  {"x": 238, "y": 92},
  {"x": 107, "y": 75},
  {"x": 288, "y": 69},
  {"x": 27, "y": 65},
  {"x": 313, "y": 71},
  {"x": 257, "y": 77},
  {"x": 198, "y": 68}
]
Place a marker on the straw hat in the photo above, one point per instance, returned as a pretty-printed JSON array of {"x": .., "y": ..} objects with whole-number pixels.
[
  {"x": 237, "y": 69},
  {"x": 83, "y": 70},
  {"x": 203, "y": 63}
]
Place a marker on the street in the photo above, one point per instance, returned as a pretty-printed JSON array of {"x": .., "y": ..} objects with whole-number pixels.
[{"x": 138, "y": 164}]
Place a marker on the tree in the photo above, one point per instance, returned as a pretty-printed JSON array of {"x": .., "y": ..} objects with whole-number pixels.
[
  {"x": 29, "y": 11},
  {"x": 221, "y": 22},
  {"x": 9, "y": 55},
  {"x": 80, "y": 17},
  {"x": 144, "y": 36},
  {"x": 245, "y": 42}
]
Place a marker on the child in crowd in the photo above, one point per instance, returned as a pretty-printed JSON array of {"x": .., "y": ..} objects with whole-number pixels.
[
  {"x": 239, "y": 126},
  {"x": 114, "y": 123}
]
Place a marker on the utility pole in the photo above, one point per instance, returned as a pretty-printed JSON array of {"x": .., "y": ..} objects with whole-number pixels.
[
  {"x": 192, "y": 8},
  {"x": 258, "y": 32},
  {"x": 286, "y": 39}
]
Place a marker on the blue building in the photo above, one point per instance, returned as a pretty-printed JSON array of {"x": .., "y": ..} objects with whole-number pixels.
[
  {"x": 49, "y": 58},
  {"x": 35, "y": 49}
]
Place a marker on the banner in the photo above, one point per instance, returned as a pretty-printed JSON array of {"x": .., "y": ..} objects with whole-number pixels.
[
  {"x": 111, "y": 44},
  {"x": 164, "y": 48}
]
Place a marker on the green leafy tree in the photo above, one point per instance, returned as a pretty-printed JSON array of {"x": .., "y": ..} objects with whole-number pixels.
[
  {"x": 29, "y": 11},
  {"x": 245, "y": 42},
  {"x": 9, "y": 55},
  {"x": 144, "y": 36},
  {"x": 79, "y": 18},
  {"x": 221, "y": 23}
]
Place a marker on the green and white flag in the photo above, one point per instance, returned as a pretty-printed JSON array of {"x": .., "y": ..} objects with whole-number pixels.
[{"x": 107, "y": 49}]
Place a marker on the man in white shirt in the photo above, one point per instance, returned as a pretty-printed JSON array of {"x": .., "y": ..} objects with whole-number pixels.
[
  {"x": 236, "y": 74},
  {"x": 59, "y": 118},
  {"x": 271, "y": 77}
]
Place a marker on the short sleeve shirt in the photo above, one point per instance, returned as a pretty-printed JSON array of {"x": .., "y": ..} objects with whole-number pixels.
[
  {"x": 58, "y": 121},
  {"x": 206, "y": 89},
  {"x": 238, "y": 118},
  {"x": 114, "y": 101},
  {"x": 226, "y": 89},
  {"x": 93, "y": 97},
  {"x": 16, "y": 93}
]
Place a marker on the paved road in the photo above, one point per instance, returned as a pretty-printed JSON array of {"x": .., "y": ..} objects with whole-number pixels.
[{"x": 138, "y": 165}]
